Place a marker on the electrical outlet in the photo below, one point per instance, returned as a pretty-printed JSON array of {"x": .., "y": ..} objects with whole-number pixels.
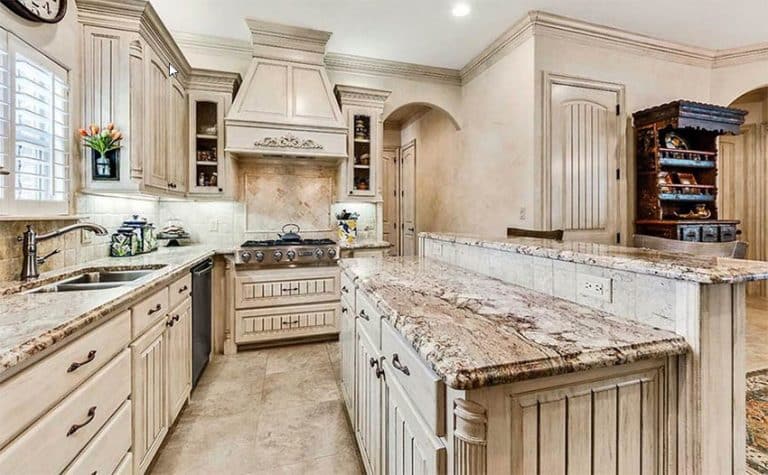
[
  {"x": 594, "y": 287},
  {"x": 214, "y": 226},
  {"x": 523, "y": 213}
]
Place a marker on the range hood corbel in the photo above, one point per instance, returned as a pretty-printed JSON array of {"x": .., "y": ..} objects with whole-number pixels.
[{"x": 286, "y": 104}]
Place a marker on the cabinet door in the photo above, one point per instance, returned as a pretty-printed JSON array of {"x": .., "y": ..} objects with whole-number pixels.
[
  {"x": 157, "y": 122},
  {"x": 347, "y": 348},
  {"x": 368, "y": 402},
  {"x": 149, "y": 394},
  {"x": 179, "y": 357},
  {"x": 409, "y": 447},
  {"x": 177, "y": 140},
  {"x": 363, "y": 152}
]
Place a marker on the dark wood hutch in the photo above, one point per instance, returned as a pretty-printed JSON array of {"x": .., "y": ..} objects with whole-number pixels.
[{"x": 677, "y": 170}]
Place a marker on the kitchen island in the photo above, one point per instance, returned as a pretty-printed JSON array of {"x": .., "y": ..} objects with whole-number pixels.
[
  {"x": 466, "y": 374},
  {"x": 699, "y": 298}
]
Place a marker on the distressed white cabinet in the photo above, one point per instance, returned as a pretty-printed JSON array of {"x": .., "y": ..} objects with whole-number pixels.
[
  {"x": 359, "y": 175},
  {"x": 178, "y": 145},
  {"x": 347, "y": 349},
  {"x": 368, "y": 410},
  {"x": 150, "y": 408},
  {"x": 179, "y": 357}
]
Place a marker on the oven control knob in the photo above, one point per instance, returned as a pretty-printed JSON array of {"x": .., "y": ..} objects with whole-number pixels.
[
  {"x": 319, "y": 253},
  {"x": 331, "y": 253},
  {"x": 259, "y": 256},
  {"x": 245, "y": 256},
  {"x": 278, "y": 255},
  {"x": 291, "y": 255}
]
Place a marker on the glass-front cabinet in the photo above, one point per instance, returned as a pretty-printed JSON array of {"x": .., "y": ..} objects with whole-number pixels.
[
  {"x": 359, "y": 173},
  {"x": 207, "y": 165}
]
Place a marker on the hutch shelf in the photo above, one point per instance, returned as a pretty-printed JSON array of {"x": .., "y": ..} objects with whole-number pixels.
[{"x": 677, "y": 170}]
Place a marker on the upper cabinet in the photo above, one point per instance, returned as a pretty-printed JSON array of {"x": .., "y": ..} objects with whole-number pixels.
[
  {"x": 135, "y": 76},
  {"x": 210, "y": 97},
  {"x": 360, "y": 175}
]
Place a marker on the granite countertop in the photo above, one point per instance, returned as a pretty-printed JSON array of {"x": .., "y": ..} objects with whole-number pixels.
[
  {"x": 366, "y": 245},
  {"x": 475, "y": 331},
  {"x": 33, "y": 323},
  {"x": 678, "y": 266}
]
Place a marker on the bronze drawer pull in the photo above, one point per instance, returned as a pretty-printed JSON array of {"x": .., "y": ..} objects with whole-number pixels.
[
  {"x": 396, "y": 363},
  {"x": 343, "y": 309},
  {"x": 295, "y": 322},
  {"x": 181, "y": 290},
  {"x": 373, "y": 362},
  {"x": 380, "y": 369},
  {"x": 88, "y": 359},
  {"x": 364, "y": 316},
  {"x": 170, "y": 321},
  {"x": 344, "y": 289},
  {"x": 176, "y": 317},
  {"x": 77, "y": 427},
  {"x": 154, "y": 310}
]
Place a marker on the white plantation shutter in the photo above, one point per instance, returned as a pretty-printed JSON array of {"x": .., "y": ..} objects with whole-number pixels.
[
  {"x": 36, "y": 132},
  {"x": 5, "y": 113}
]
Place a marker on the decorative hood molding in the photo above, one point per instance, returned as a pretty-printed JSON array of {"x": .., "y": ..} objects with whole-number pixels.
[{"x": 286, "y": 104}]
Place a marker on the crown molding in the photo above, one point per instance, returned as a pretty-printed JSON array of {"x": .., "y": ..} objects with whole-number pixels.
[
  {"x": 213, "y": 80},
  {"x": 361, "y": 96},
  {"x": 507, "y": 41},
  {"x": 742, "y": 55},
  {"x": 383, "y": 67},
  {"x": 217, "y": 44}
]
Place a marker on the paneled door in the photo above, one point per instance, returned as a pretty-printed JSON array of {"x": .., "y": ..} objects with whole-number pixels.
[
  {"x": 157, "y": 122},
  {"x": 179, "y": 357},
  {"x": 584, "y": 166},
  {"x": 368, "y": 402},
  {"x": 391, "y": 205},
  {"x": 408, "y": 199}
]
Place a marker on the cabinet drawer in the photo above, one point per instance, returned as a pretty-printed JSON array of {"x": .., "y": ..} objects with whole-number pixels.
[
  {"x": 710, "y": 233},
  {"x": 149, "y": 311},
  {"x": 29, "y": 394},
  {"x": 424, "y": 388},
  {"x": 689, "y": 233},
  {"x": 267, "y": 288},
  {"x": 727, "y": 233},
  {"x": 286, "y": 322},
  {"x": 368, "y": 317},
  {"x": 179, "y": 290},
  {"x": 348, "y": 308},
  {"x": 63, "y": 432},
  {"x": 105, "y": 452},
  {"x": 126, "y": 465}
]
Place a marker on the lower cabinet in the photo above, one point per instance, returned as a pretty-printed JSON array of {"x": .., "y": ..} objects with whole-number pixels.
[
  {"x": 162, "y": 379},
  {"x": 179, "y": 357},
  {"x": 150, "y": 411},
  {"x": 368, "y": 402},
  {"x": 347, "y": 349}
]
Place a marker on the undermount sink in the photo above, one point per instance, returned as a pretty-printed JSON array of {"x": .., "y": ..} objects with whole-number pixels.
[{"x": 95, "y": 280}]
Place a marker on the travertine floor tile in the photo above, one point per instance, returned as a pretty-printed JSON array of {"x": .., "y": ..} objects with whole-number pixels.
[{"x": 275, "y": 411}]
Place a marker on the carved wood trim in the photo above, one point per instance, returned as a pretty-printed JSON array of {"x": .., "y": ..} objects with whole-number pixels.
[
  {"x": 470, "y": 431},
  {"x": 288, "y": 141}
]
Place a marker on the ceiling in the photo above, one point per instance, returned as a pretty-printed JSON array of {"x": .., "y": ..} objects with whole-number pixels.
[{"x": 425, "y": 32}]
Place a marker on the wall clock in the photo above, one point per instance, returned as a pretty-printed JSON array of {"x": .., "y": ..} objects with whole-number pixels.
[{"x": 45, "y": 11}]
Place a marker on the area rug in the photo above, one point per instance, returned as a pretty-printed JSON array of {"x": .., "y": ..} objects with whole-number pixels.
[{"x": 757, "y": 420}]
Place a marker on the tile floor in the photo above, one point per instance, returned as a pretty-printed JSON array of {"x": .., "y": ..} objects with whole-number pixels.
[{"x": 274, "y": 411}]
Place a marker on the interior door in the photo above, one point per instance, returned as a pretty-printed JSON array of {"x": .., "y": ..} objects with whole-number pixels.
[
  {"x": 585, "y": 199},
  {"x": 391, "y": 203},
  {"x": 408, "y": 244}
]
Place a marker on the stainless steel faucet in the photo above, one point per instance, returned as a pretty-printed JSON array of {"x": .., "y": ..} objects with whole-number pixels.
[{"x": 30, "y": 239}]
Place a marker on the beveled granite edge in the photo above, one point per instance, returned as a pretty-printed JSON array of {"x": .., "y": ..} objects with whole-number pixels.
[
  {"x": 34, "y": 324},
  {"x": 426, "y": 315},
  {"x": 366, "y": 245},
  {"x": 676, "y": 266}
]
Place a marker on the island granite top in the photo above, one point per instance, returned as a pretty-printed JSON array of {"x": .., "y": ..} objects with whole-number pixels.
[
  {"x": 677, "y": 266},
  {"x": 476, "y": 331},
  {"x": 33, "y": 323}
]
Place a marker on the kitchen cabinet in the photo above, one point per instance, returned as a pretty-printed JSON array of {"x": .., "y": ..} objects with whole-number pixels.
[
  {"x": 368, "y": 411},
  {"x": 347, "y": 350},
  {"x": 179, "y": 357},
  {"x": 359, "y": 174},
  {"x": 150, "y": 411},
  {"x": 178, "y": 145}
]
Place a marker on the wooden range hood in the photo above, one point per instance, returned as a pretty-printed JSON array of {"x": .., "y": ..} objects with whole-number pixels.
[{"x": 286, "y": 106}]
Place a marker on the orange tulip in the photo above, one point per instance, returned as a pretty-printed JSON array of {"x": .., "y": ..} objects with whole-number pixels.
[
  {"x": 116, "y": 135},
  {"x": 110, "y": 126},
  {"x": 82, "y": 132},
  {"x": 94, "y": 129}
]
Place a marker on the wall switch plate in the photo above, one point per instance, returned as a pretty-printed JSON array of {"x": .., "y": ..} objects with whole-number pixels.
[
  {"x": 594, "y": 287},
  {"x": 523, "y": 213},
  {"x": 214, "y": 226}
]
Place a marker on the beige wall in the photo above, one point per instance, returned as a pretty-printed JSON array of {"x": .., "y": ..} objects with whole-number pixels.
[
  {"x": 730, "y": 82},
  {"x": 439, "y": 171}
]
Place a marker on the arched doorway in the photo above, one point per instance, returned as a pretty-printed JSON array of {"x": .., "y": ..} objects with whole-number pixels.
[{"x": 421, "y": 146}]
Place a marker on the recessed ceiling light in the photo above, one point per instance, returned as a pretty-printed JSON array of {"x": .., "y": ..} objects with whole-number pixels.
[{"x": 461, "y": 9}]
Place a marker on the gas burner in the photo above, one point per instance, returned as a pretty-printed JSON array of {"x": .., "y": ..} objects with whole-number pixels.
[{"x": 290, "y": 250}]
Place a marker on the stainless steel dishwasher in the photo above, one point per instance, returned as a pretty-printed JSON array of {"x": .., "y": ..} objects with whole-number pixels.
[{"x": 201, "y": 318}]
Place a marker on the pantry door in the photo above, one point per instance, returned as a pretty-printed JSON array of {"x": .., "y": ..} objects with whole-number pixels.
[
  {"x": 408, "y": 199},
  {"x": 585, "y": 168}
]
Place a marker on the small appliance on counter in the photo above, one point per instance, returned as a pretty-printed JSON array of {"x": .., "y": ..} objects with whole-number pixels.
[
  {"x": 174, "y": 233},
  {"x": 135, "y": 236},
  {"x": 347, "y": 226}
]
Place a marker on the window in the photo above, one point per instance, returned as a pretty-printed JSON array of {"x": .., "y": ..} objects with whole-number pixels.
[{"x": 34, "y": 131}]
